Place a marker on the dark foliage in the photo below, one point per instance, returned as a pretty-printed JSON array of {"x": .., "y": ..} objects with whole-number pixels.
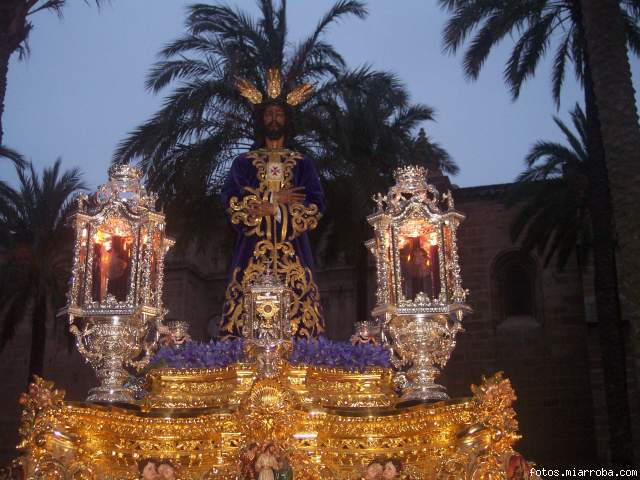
[{"x": 553, "y": 197}]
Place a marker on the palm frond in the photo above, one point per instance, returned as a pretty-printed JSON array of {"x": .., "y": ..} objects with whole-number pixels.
[
  {"x": 57, "y": 6},
  {"x": 12, "y": 155},
  {"x": 527, "y": 53},
  {"x": 339, "y": 10},
  {"x": 35, "y": 241},
  {"x": 559, "y": 67},
  {"x": 551, "y": 197}
]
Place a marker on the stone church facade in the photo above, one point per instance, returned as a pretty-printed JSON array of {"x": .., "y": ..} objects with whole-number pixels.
[{"x": 537, "y": 325}]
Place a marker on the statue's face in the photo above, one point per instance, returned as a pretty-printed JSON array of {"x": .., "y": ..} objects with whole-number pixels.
[
  {"x": 274, "y": 121},
  {"x": 389, "y": 471},
  {"x": 166, "y": 472},
  {"x": 150, "y": 472},
  {"x": 374, "y": 471}
]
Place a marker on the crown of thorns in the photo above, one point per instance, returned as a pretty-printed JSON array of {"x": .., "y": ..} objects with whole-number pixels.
[{"x": 274, "y": 90}]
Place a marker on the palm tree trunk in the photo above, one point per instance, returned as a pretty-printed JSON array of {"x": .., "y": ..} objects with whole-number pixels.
[
  {"x": 605, "y": 286},
  {"x": 38, "y": 337},
  {"x": 14, "y": 29},
  {"x": 614, "y": 93},
  {"x": 610, "y": 103},
  {"x": 5, "y": 55}
]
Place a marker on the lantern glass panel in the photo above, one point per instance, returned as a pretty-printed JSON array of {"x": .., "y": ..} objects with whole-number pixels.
[
  {"x": 154, "y": 267},
  {"x": 419, "y": 262},
  {"x": 82, "y": 262},
  {"x": 112, "y": 254},
  {"x": 449, "y": 258}
]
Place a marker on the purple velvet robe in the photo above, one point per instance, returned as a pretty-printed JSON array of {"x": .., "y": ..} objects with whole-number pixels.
[{"x": 243, "y": 174}]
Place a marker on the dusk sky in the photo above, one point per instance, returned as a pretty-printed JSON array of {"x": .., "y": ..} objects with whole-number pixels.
[{"x": 82, "y": 89}]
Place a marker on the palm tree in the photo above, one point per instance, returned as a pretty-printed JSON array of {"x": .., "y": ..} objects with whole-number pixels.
[
  {"x": 15, "y": 26},
  {"x": 536, "y": 24},
  {"x": 614, "y": 96},
  {"x": 188, "y": 145},
  {"x": 559, "y": 216},
  {"x": 35, "y": 254},
  {"x": 365, "y": 129},
  {"x": 552, "y": 196}
]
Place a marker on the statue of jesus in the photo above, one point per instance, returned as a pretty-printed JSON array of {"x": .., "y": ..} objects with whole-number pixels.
[{"x": 274, "y": 197}]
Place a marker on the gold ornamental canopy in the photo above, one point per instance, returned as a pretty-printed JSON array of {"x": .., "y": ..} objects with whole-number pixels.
[{"x": 119, "y": 250}]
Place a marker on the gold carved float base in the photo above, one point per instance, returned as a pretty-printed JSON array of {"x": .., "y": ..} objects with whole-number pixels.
[{"x": 326, "y": 423}]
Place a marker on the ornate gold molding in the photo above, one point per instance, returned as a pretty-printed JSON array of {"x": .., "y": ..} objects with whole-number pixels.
[{"x": 470, "y": 438}]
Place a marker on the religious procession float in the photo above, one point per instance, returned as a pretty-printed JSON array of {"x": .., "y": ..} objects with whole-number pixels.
[{"x": 271, "y": 398}]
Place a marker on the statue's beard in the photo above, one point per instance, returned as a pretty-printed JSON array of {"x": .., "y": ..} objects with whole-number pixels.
[{"x": 274, "y": 132}]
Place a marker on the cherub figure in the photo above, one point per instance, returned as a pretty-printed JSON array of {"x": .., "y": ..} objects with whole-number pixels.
[
  {"x": 166, "y": 471},
  {"x": 392, "y": 469},
  {"x": 448, "y": 198},
  {"x": 373, "y": 471},
  {"x": 517, "y": 468},
  {"x": 379, "y": 200},
  {"x": 149, "y": 470}
]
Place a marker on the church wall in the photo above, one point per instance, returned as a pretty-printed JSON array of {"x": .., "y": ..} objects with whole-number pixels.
[
  {"x": 14, "y": 364},
  {"x": 338, "y": 296},
  {"x": 544, "y": 355}
]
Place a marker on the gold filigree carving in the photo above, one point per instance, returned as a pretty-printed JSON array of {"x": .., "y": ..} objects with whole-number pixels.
[
  {"x": 241, "y": 212},
  {"x": 460, "y": 439},
  {"x": 303, "y": 218},
  {"x": 37, "y": 404},
  {"x": 484, "y": 447},
  {"x": 305, "y": 314}
]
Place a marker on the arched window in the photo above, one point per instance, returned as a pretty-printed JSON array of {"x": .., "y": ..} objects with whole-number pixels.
[{"x": 514, "y": 280}]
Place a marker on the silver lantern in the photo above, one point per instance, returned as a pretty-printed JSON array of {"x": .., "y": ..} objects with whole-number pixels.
[
  {"x": 115, "y": 302},
  {"x": 420, "y": 299}
]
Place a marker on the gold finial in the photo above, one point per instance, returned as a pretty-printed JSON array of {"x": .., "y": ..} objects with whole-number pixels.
[
  {"x": 274, "y": 83},
  {"x": 248, "y": 90},
  {"x": 300, "y": 94}
]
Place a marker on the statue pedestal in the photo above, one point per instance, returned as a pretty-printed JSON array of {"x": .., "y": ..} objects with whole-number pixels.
[{"x": 319, "y": 422}]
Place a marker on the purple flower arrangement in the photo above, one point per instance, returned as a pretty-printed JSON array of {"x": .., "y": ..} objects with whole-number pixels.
[
  {"x": 200, "y": 355},
  {"x": 327, "y": 353},
  {"x": 319, "y": 351}
]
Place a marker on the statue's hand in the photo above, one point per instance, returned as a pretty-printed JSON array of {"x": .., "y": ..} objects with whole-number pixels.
[
  {"x": 262, "y": 209},
  {"x": 288, "y": 196}
]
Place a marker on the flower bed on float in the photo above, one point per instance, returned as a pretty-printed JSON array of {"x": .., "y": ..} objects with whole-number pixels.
[{"x": 318, "y": 352}]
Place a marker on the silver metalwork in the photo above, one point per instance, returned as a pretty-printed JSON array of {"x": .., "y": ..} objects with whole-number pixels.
[
  {"x": 267, "y": 327},
  {"x": 420, "y": 299},
  {"x": 424, "y": 345},
  {"x": 109, "y": 344},
  {"x": 115, "y": 301}
]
